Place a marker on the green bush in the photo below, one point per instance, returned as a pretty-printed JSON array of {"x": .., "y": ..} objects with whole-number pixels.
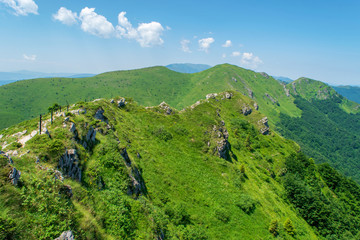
[
  {"x": 274, "y": 227},
  {"x": 161, "y": 133},
  {"x": 289, "y": 227},
  {"x": 246, "y": 203},
  {"x": 7, "y": 229}
]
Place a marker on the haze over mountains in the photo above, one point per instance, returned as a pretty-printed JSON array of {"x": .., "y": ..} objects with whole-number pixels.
[{"x": 8, "y": 77}]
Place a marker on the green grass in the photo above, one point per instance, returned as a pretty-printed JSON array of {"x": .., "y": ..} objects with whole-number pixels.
[{"x": 191, "y": 192}]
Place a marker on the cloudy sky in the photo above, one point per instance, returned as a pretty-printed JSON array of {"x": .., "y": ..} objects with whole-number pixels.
[{"x": 318, "y": 39}]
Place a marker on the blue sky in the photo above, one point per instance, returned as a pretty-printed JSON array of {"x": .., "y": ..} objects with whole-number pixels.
[{"x": 317, "y": 39}]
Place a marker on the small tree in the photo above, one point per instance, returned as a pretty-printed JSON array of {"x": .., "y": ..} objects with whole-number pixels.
[
  {"x": 54, "y": 107},
  {"x": 274, "y": 227},
  {"x": 289, "y": 227}
]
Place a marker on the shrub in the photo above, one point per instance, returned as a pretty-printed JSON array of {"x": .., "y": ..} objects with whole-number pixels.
[
  {"x": 274, "y": 227},
  {"x": 246, "y": 203},
  {"x": 162, "y": 133},
  {"x": 289, "y": 227}
]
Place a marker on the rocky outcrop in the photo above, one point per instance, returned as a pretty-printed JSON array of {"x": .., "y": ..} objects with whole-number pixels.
[
  {"x": 287, "y": 91},
  {"x": 250, "y": 92},
  {"x": 69, "y": 164},
  {"x": 271, "y": 98},
  {"x": 211, "y": 96},
  {"x": 90, "y": 138},
  {"x": 137, "y": 185},
  {"x": 164, "y": 106},
  {"x": 264, "y": 74},
  {"x": 100, "y": 115},
  {"x": 293, "y": 84},
  {"x": 68, "y": 235},
  {"x": 14, "y": 176},
  {"x": 221, "y": 135},
  {"x": 73, "y": 128},
  {"x": 121, "y": 103},
  {"x": 256, "y": 106},
  {"x": 112, "y": 101},
  {"x": 264, "y": 122},
  {"x": 234, "y": 79},
  {"x": 246, "y": 110}
]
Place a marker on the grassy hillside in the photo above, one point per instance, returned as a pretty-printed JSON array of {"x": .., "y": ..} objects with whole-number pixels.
[
  {"x": 150, "y": 86},
  {"x": 147, "y": 174}
]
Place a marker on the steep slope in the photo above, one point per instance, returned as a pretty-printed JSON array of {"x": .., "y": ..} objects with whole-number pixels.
[
  {"x": 329, "y": 127},
  {"x": 204, "y": 173},
  {"x": 116, "y": 170}
]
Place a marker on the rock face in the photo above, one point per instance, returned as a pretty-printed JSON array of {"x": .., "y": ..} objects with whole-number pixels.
[
  {"x": 121, "y": 103},
  {"x": 264, "y": 75},
  {"x": 271, "y": 98},
  {"x": 287, "y": 91},
  {"x": 265, "y": 129},
  {"x": 100, "y": 115},
  {"x": 69, "y": 164},
  {"x": 68, "y": 235},
  {"x": 246, "y": 110},
  {"x": 211, "y": 95},
  {"x": 137, "y": 185},
  {"x": 73, "y": 128},
  {"x": 90, "y": 136},
  {"x": 14, "y": 176},
  {"x": 166, "y": 108},
  {"x": 221, "y": 136}
]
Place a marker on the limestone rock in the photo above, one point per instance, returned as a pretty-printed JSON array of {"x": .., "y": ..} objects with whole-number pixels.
[
  {"x": 256, "y": 106},
  {"x": 69, "y": 164},
  {"x": 265, "y": 129},
  {"x": 228, "y": 95},
  {"x": 211, "y": 95},
  {"x": 90, "y": 136},
  {"x": 100, "y": 115},
  {"x": 271, "y": 98},
  {"x": 68, "y": 235},
  {"x": 250, "y": 92},
  {"x": 73, "y": 128},
  {"x": 166, "y": 108},
  {"x": 246, "y": 110},
  {"x": 112, "y": 101},
  {"x": 264, "y": 75},
  {"x": 234, "y": 79},
  {"x": 14, "y": 176},
  {"x": 121, "y": 103}
]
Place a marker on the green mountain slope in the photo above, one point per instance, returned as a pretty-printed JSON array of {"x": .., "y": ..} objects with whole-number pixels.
[
  {"x": 149, "y": 87},
  {"x": 142, "y": 173}
]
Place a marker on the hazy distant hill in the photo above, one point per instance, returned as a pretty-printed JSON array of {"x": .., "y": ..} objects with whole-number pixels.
[
  {"x": 350, "y": 92},
  {"x": 8, "y": 77},
  {"x": 188, "y": 67},
  {"x": 283, "y": 79}
]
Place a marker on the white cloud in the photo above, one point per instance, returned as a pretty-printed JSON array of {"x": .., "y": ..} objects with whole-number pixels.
[
  {"x": 22, "y": 7},
  {"x": 146, "y": 34},
  {"x": 235, "y": 54},
  {"x": 251, "y": 61},
  {"x": 185, "y": 45},
  {"x": 95, "y": 24},
  {"x": 228, "y": 43},
  {"x": 204, "y": 44},
  {"x": 29, "y": 57},
  {"x": 66, "y": 16}
]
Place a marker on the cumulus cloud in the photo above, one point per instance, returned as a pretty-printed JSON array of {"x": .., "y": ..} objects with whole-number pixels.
[
  {"x": 146, "y": 34},
  {"x": 204, "y": 44},
  {"x": 235, "y": 54},
  {"x": 66, "y": 16},
  {"x": 95, "y": 24},
  {"x": 29, "y": 57},
  {"x": 228, "y": 43},
  {"x": 22, "y": 7},
  {"x": 249, "y": 60},
  {"x": 185, "y": 45}
]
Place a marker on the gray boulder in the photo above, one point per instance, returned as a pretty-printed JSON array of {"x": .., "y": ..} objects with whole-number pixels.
[
  {"x": 68, "y": 235},
  {"x": 121, "y": 103},
  {"x": 100, "y": 115},
  {"x": 211, "y": 95},
  {"x": 69, "y": 164},
  {"x": 14, "y": 176},
  {"x": 246, "y": 110}
]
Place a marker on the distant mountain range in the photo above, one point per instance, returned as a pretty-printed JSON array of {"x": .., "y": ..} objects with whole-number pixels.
[
  {"x": 188, "y": 67},
  {"x": 9, "y": 77},
  {"x": 283, "y": 79}
]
